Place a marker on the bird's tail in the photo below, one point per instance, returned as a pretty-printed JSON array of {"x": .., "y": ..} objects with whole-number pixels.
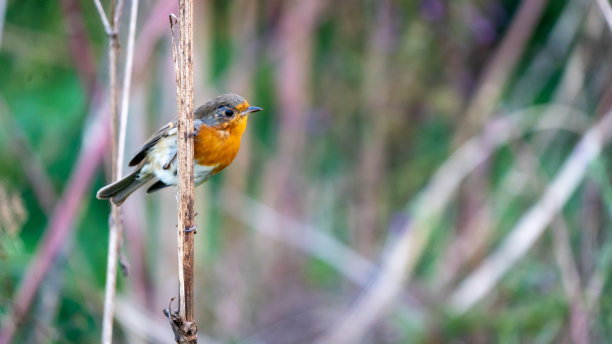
[{"x": 118, "y": 191}]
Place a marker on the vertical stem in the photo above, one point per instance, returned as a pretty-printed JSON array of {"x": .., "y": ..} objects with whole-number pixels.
[
  {"x": 185, "y": 160},
  {"x": 501, "y": 64},
  {"x": 60, "y": 226},
  {"x": 127, "y": 82},
  {"x": 118, "y": 147},
  {"x": 111, "y": 275},
  {"x": 2, "y": 14},
  {"x": 115, "y": 221}
]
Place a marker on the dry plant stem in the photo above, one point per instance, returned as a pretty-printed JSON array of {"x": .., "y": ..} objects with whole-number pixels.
[
  {"x": 558, "y": 43},
  {"x": 111, "y": 275},
  {"x": 185, "y": 159},
  {"x": 47, "y": 198},
  {"x": 569, "y": 272},
  {"x": 534, "y": 222},
  {"x": 95, "y": 144},
  {"x": 90, "y": 156},
  {"x": 606, "y": 10},
  {"x": 238, "y": 79},
  {"x": 119, "y": 125},
  {"x": 80, "y": 44},
  {"x": 105, "y": 22},
  {"x": 502, "y": 63},
  {"x": 294, "y": 38},
  {"x": 579, "y": 317},
  {"x": 461, "y": 251},
  {"x": 407, "y": 249},
  {"x": 510, "y": 188},
  {"x": 116, "y": 226},
  {"x": 115, "y": 218},
  {"x": 33, "y": 167},
  {"x": 183, "y": 324},
  {"x": 375, "y": 93},
  {"x": 295, "y": 35},
  {"x": 2, "y": 17},
  {"x": 594, "y": 286},
  {"x": 127, "y": 80},
  {"x": 314, "y": 242}
]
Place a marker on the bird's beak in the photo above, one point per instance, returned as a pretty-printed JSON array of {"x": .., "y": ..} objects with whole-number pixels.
[{"x": 251, "y": 109}]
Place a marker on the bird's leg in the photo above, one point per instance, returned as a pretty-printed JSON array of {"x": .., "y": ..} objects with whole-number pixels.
[
  {"x": 192, "y": 228},
  {"x": 196, "y": 129}
]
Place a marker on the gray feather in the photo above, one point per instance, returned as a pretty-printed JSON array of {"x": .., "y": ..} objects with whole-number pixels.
[{"x": 118, "y": 191}]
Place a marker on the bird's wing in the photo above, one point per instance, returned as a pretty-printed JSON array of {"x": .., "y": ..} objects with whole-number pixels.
[{"x": 142, "y": 152}]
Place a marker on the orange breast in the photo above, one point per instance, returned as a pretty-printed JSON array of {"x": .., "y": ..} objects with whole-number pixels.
[{"x": 219, "y": 145}]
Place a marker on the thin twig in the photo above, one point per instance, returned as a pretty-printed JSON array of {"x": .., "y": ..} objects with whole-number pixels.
[
  {"x": 532, "y": 224},
  {"x": 2, "y": 17},
  {"x": 80, "y": 44},
  {"x": 92, "y": 151},
  {"x": 103, "y": 17},
  {"x": 570, "y": 278},
  {"x": 594, "y": 286},
  {"x": 500, "y": 66},
  {"x": 95, "y": 143},
  {"x": 606, "y": 10},
  {"x": 559, "y": 42},
  {"x": 375, "y": 92},
  {"x": 408, "y": 247},
  {"x": 116, "y": 14},
  {"x": 478, "y": 233},
  {"x": 267, "y": 220},
  {"x": 294, "y": 39},
  {"x": 127, "y": 80},
  {"x": 173, "y": 21},
  {"x": 116, "y": 226}
]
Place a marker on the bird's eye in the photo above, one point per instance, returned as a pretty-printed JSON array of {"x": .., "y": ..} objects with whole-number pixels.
[{"x": 229, "y": 113}]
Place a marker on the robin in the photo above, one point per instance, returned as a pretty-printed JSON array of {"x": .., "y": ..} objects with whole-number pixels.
[{"x": 219, "y": 125}]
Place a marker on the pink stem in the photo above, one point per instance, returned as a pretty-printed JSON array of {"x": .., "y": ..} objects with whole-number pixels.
[{"x": 61, "y": 223}]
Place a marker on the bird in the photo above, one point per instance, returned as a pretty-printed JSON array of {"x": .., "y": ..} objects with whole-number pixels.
[{"x": 218, "y": 128}]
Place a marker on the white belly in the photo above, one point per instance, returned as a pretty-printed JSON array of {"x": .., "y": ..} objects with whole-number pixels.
[{"x": 161, "y": 153}]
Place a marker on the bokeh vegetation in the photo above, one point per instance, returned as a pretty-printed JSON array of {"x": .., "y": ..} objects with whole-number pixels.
[{"x": 364, "y": 101}]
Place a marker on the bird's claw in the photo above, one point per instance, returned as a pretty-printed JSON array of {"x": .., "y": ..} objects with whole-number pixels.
[
  {"x": 196, "y": 130},
  {"x": 192, "y": 229}
]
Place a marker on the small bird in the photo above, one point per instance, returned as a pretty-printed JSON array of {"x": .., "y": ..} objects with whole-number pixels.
[{"x": 219, "y": 125}]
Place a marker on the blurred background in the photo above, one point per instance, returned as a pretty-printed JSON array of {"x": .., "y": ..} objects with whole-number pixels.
[{"x": 405, "y": 182}]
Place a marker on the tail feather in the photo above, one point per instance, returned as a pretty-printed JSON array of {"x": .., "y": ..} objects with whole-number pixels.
[{"x": 118, "y": 191}]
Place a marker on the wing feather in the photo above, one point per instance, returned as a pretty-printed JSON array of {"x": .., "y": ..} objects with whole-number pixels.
[{"x": 142, "y": 152}]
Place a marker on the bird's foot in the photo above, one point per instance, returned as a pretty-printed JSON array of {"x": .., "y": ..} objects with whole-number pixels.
[
  {"x": 196, "y": 130},
  {"x": 192, "y": 229}
]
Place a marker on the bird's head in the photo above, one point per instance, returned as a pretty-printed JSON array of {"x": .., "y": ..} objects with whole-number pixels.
[{"x": 224, "y": 110}]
